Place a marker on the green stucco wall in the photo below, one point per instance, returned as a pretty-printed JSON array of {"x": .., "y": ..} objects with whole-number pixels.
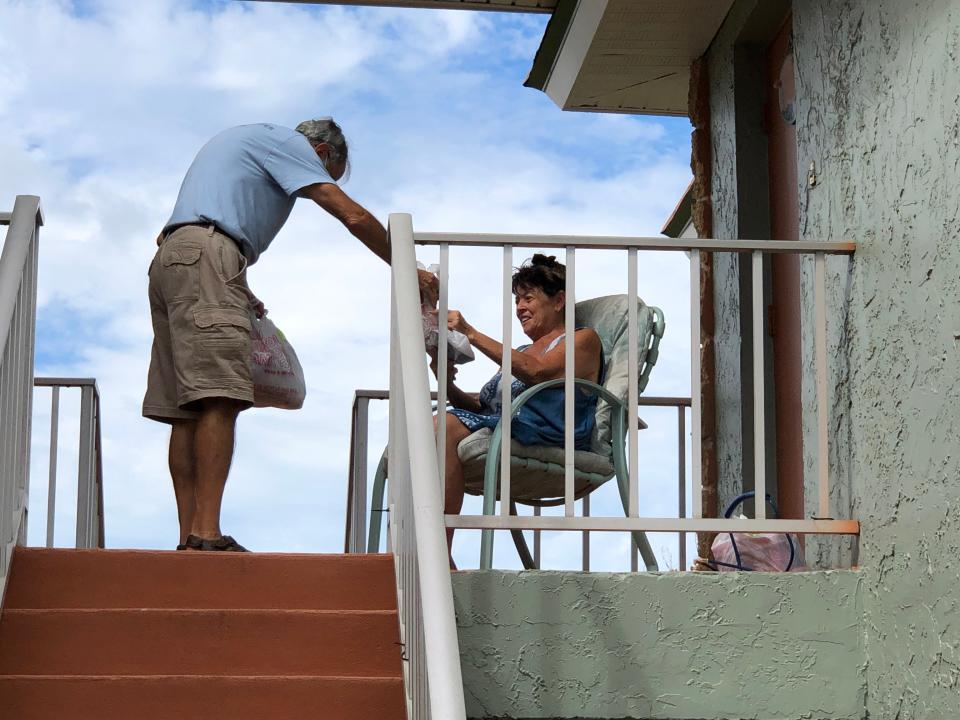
[
  {"x": 878, "y": 118},
  {"x": 652, "y": 646}
]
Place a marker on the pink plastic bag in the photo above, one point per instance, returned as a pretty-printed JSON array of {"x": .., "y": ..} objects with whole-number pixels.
[
  {"x": 762, "y": 552},
  {"x": 766, "y": 552},
  {"x": 278, "y": 379}
]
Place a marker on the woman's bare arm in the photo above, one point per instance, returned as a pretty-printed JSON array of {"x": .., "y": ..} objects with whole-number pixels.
[{"x": 531, "y": 369}]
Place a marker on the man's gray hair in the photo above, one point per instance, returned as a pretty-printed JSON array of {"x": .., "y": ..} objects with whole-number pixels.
[{"x": 325, "y": 130}]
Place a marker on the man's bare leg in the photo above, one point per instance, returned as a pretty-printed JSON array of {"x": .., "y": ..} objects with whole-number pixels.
[
  {"x": 182, "y": 462},
  {"x": 213, "y": 447}
]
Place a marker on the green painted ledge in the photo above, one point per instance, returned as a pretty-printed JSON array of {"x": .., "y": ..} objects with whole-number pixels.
[{"x": 683, "y": 646}]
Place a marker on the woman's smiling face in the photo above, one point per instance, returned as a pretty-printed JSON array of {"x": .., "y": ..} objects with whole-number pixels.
[{"x": 537, "y": 312}]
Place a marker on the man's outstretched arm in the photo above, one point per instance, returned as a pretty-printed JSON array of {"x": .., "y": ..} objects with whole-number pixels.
[{"x": 361, "y": 224}]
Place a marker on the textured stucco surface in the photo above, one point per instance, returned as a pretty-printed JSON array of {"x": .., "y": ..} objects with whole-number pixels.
[
  {"x": 880, "y": 117},
  {"x": 680, "y": 645},
  {"x": 878, "y": 108}
]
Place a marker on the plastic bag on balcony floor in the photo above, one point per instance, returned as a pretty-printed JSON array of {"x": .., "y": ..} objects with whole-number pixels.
[
  {"x": 458, "y": 347},
  {"x": 278, "y": 379},
  {"x": 764, "y": 552},
  {"x": 761, "y": 552}
]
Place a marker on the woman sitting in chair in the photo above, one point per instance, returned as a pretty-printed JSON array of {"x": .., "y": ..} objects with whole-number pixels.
[{"x": 538, "y": 286}]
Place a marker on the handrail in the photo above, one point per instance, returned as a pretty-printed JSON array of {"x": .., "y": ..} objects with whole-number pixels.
[
  {"x": 361, "y": 538},
  {"x": 90, "y": 520},
  {"x": 612, "y": 242},
  {"x": 822, "y": 522},
  {"x": 18, "y": 295},
  {"x": 425, "y": 595},
  {"x": 355, "y": 527}
]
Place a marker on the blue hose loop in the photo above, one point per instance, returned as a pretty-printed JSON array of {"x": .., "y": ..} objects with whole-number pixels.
[{"x": 737, "y": 501}]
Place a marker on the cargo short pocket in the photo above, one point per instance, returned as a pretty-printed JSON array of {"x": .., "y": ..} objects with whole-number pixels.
[
  {"x": 221, "y": 345},
  {"x": 180, "y": 254},
  {"x": 179, "y": 276}
]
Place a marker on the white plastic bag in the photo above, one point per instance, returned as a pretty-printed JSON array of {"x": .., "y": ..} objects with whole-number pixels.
[
  {"x": 458, "y": 347},
  {"x": 277, "y": 375}
]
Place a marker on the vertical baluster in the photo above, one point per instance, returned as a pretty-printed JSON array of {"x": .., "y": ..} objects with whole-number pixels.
[
  {"x": 682, "y": 481},
  {"x": 633, "y": 384},
  {"x": 506, "y": 380},
  {"x": 7, "y": 423},
  {"x": 759, "y": 441},
  {"x": 536, "y": 539},
  {"x": 586, "y": 535},
  {"x": 696, "y": 481},
  {"x": 820, "y": 341},
  {"x": 31, "y": 330},
  {"x": 442, "y": 355},
  {"x": 568, "y": 385},
  {"x": 360, "y": 480},
  {"x": 84, "y": 466},
  {"x": 52, "y": 483}
]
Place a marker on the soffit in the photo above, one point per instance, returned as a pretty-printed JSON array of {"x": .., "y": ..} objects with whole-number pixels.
[
  {"x": 630, "y": 56},
  {"x": 543, "y": 6}
]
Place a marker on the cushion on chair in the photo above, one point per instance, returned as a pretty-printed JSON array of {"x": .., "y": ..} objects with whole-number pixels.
[
  {"x": 608, "y": 317},
  {"x": 536, "y": 471}
]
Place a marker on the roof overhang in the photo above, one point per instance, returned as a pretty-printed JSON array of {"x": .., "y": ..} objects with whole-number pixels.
[
  {"x": 530, "y": 6},
  {"x": 628, "y": 56}
]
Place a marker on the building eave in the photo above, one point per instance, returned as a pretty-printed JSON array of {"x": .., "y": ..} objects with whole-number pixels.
[{"x": 625, "y": 56}]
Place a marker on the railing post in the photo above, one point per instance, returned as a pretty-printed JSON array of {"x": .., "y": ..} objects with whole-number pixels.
[
  {"x": 506, "y": 387},
  {"x": 682, "y": 481},
  {"x": 586, "y": 535},
  {"x": 442, "y": 353},
  {"x": 696, "y": 474},
  {"x": 569, "y": 417},
  {"x": 820, "y": 342},
  {"x": 633, "y": 385},
  {"x": 85, "y": 467},
  {"x": 52, "y": 483},
  {"x": 759, "y": 422}
]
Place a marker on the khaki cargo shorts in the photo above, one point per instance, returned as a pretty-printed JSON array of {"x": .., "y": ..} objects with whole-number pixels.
[{"x": 199, "y": 305}]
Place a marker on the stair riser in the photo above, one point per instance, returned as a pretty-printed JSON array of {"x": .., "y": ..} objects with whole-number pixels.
[
  {"x": 43, "y": 578},
  {"x": 212, "y": 642},
  {"x": 202, "y": 697}
]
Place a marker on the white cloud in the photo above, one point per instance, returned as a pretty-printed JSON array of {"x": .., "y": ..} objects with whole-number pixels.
[{"x": 100, "y": 115}]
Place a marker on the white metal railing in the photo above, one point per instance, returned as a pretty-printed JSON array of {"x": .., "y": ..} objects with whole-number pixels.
[
  {"x": 18, "y": 294},
  {"x": 428, "y": 627},
  {"x": 89, "y": 527},
  {"x": 822, "y": 523},
  {"x": 361, "y": 538}
]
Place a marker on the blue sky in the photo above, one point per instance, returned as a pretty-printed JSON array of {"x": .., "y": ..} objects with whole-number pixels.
[{"x": 103, "y": 104}]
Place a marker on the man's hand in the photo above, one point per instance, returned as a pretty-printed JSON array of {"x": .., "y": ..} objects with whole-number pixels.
[
  {"x": 256, "y": 304},
  {"x": 429, "y": 288}
]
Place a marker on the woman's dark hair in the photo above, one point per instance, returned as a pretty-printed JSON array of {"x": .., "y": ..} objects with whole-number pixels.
[{"x": 543, "y": 272}]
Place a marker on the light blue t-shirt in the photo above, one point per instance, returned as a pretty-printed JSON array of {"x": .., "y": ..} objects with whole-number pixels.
[{"x": 246, "y": 180}]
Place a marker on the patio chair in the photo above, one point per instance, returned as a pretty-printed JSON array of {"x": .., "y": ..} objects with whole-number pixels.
[{"x": 537, "y": 472}]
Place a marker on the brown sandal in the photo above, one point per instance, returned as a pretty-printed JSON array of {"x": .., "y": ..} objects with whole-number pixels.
[{"x": 224, "y": 543}]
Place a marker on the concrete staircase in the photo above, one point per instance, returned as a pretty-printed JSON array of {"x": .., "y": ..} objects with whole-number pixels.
[{"x": 112, "y": 634}]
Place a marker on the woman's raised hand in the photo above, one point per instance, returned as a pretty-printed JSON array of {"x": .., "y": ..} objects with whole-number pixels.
[{"x": 456, "y": 321}]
